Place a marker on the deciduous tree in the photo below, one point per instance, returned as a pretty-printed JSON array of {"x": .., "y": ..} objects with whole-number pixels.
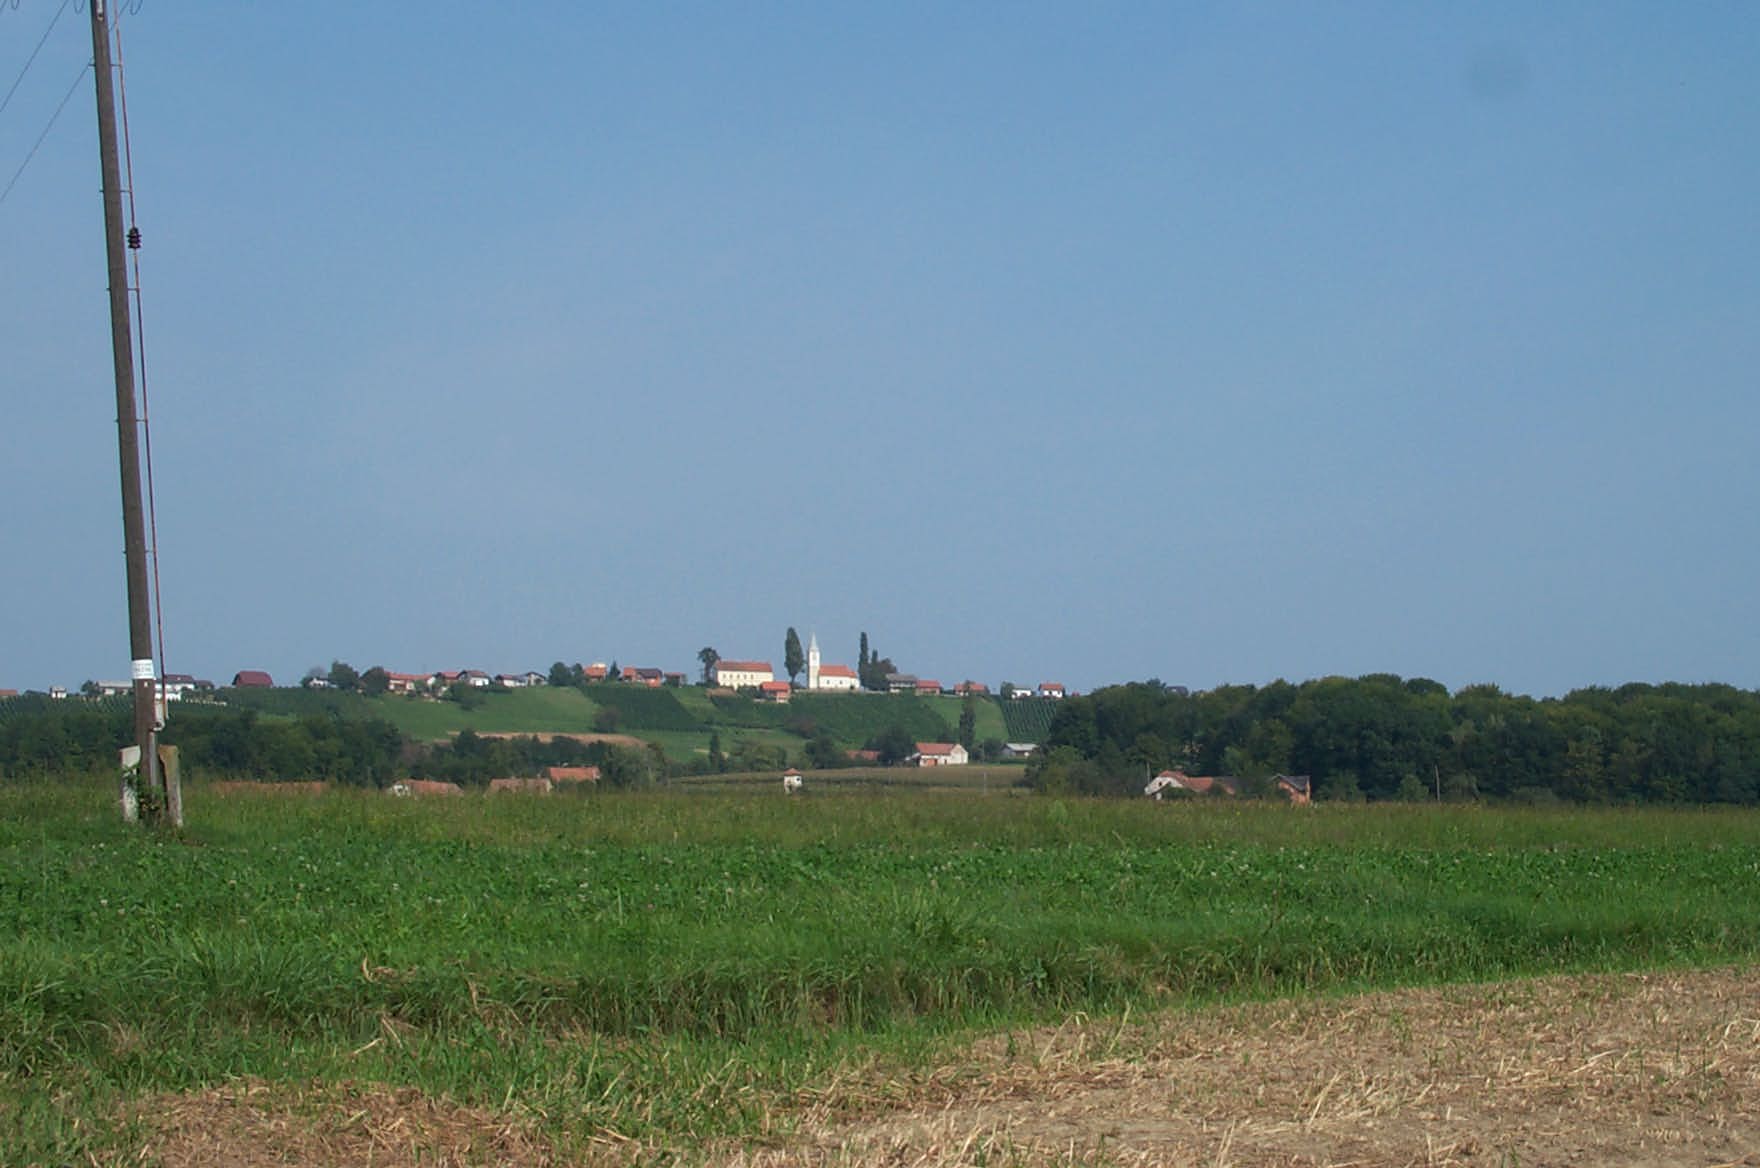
[{"x": 968, "y": 722}]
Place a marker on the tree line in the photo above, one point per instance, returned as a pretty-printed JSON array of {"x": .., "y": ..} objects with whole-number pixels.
[
  {"x": 1386, "y": 737},
  {"x": 45, "y": 738},
  {"x": 1374, "y": 737}
]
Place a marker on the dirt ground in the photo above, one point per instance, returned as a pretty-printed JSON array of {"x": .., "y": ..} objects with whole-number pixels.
[{"x": 1639, "y": 1070}]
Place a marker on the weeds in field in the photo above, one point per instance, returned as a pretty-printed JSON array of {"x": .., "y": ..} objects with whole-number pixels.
[{"x": 673, "y": 964}]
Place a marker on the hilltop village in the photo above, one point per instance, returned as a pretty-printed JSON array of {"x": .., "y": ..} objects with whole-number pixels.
[{"x": 758, "y": 678}]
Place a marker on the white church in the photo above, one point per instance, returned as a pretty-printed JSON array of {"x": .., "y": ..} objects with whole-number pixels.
[{"x": 827, "y": 677}]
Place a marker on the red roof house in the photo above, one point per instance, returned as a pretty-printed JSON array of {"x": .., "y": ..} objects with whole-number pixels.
[{"x": 940, "y": 754}]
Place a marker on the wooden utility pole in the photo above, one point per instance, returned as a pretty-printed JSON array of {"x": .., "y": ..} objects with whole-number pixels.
[{"x": 143, "y": 790}]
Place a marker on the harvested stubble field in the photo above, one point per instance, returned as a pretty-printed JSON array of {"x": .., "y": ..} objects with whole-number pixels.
[
  {"x": 1637, "y": 1070},
  {"x": 740, "y": 978}
]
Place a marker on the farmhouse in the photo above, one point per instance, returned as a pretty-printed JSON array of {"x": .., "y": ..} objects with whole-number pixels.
[
  {"x": 775, "y": 691},
  {"x": 572, "y": 774},
  {"x": 1196, "y": 784},
  {"x": 1298, "y": 789},
  {"x": 175, "y": 685},
  {"x": 252, "y": 679},
  {"x": 742, "y": 674},
  {"x": 940, "y": 754}
]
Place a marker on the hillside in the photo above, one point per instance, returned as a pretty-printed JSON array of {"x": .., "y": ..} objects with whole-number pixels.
[{"x": 682, "y": 721}]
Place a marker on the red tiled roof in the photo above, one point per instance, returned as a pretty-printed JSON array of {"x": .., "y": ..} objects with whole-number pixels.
[
  {"x": 774, "y": 686},
  {"x": 252, "y": 677},
  {"x": 572, "y": 774},
  {"x": 836, "y": 671},
  {"x": 744, "y": 666},
  {"x": 935, "y": 749},
  {"x": 1206, "y": 784}
]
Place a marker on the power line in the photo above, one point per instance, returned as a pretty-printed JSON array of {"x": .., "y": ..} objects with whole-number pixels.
[
  {"x": 53, "y": 20},
  {"x": 65, "y": 98}
]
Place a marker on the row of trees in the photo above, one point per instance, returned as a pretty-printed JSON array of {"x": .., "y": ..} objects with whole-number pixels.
[
  {"x": 39, "y": 736},
  {"x": 1384, "y": 737},
  {"x": 51, "y": 738}
]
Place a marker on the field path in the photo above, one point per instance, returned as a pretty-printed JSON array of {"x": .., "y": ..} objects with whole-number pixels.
[{"x": 1637, "y": 1070}]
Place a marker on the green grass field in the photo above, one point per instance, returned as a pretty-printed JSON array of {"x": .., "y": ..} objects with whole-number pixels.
[{"x": 595, "y": 954}]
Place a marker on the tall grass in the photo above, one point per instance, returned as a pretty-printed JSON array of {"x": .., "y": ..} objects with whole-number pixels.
[{"x": 600, "y": 945}]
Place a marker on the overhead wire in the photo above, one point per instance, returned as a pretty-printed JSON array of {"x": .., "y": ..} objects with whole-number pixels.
[
  {"x": 38, "y": 145},
  {"x": 30, "y": 60}
]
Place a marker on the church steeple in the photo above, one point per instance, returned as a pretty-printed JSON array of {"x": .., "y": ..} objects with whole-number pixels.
[{"x": 812, "y": 661}]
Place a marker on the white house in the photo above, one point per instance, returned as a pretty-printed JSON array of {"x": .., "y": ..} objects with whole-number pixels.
[
  {"x": 742, "y": 674},
  {"x": 940, "y": 754}
]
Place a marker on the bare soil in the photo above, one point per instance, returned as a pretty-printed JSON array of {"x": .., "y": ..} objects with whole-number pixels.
[
  {"x": 1640, "y": 1070},
  {"x": 585, "y": 739}
]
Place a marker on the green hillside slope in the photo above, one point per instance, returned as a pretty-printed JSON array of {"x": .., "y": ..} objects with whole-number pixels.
[{"x": 681, "y": 720}]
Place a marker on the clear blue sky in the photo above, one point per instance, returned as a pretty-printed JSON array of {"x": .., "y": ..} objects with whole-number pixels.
[{"x": 1080, "y": 342}]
